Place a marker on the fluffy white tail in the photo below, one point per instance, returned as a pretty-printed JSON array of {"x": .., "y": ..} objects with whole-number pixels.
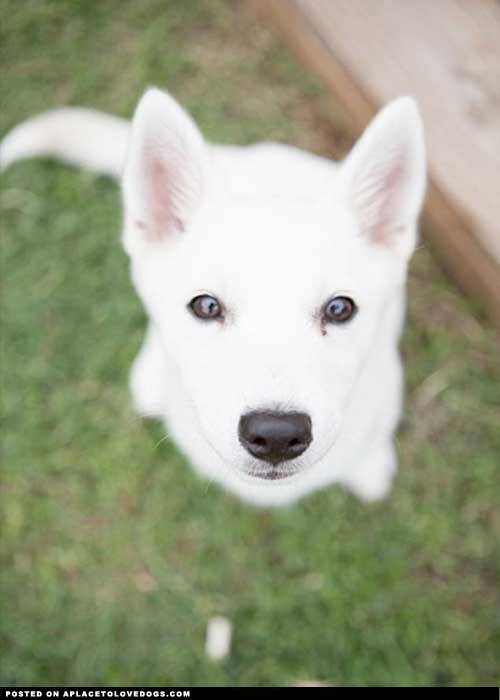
[{"x": 82, "y": 137}]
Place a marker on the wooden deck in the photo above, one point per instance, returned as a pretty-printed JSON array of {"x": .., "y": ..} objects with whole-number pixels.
[{"x": 447, "y": 55}]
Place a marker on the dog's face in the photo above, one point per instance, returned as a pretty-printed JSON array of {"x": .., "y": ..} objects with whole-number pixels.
[{"x": 268, "y": 306}]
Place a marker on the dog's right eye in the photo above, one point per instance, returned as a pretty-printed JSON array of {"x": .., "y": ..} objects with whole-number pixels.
[{"x": 206, "y": 307}]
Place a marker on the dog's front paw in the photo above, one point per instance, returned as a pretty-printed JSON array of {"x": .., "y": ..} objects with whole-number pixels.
[{"x": 372, "y": 479}]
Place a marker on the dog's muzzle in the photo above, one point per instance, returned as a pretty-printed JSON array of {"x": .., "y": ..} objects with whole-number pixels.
[{"x": 275, "y": 437}]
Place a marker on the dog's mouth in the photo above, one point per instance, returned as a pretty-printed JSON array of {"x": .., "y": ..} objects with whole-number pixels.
[{"x": 272, "y": 473}]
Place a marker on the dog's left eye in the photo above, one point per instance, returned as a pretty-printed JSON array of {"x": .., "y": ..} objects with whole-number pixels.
[
  {"x": 339, "y": 309},
  {"x": 206, "y": 307}
]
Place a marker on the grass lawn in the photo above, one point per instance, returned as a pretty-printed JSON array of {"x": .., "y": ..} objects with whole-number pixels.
[{"x": 114, "y": 555}]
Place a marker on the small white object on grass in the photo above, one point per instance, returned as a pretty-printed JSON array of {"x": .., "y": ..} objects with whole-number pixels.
[{"x": 218, "y": 641}]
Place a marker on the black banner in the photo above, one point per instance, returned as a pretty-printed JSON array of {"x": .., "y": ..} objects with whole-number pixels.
[{"x": 122, "y": 693}]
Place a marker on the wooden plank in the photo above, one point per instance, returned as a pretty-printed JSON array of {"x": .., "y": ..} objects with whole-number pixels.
[{"x": 446, "y": 54}]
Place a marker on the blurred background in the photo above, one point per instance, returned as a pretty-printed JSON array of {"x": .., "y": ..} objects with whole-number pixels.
[{"x": 114, "y": 554}]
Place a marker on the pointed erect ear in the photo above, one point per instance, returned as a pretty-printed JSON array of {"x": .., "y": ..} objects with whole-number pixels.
[
  {"x": 164, "y": 175},
  {"x": 382, "y": 180}
]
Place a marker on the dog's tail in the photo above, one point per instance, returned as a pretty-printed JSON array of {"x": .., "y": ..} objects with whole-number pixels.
[{"x": 82, "y": 137}]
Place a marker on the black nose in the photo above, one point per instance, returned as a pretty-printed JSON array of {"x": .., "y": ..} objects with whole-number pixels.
[{"x": 275, "y": 437}]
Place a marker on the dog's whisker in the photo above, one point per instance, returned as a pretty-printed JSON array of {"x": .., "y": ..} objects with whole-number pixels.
[{"x": 163, "y": 439}]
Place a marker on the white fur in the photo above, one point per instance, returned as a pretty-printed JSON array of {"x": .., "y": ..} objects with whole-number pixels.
[
  {"x": 274, "y": 233},
  {"x": 78, "y": 136}
]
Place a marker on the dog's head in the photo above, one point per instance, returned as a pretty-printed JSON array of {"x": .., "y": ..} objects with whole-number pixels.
[{"x": 268, "y": 306}]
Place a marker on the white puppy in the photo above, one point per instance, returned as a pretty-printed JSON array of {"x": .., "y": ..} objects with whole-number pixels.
[{"x": 274, "y": 281}]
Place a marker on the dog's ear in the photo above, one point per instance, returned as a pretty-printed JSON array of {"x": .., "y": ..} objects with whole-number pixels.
[
  {"x": 382, "y": 180},
  {"x": 164, "y": 175}
]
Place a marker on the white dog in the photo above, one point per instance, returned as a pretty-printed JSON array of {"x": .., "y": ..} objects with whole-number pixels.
[{"x": 274, "y": 281}]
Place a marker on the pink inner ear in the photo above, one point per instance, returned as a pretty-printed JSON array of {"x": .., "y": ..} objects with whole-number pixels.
[
  {"x": 162, "y": 217},
  {"x": 377, "y": 190},
  {"x": 386, "y": 205}
]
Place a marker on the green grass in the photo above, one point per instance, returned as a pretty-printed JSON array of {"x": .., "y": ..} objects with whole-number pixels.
[{"x": 114, "y": 555}]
